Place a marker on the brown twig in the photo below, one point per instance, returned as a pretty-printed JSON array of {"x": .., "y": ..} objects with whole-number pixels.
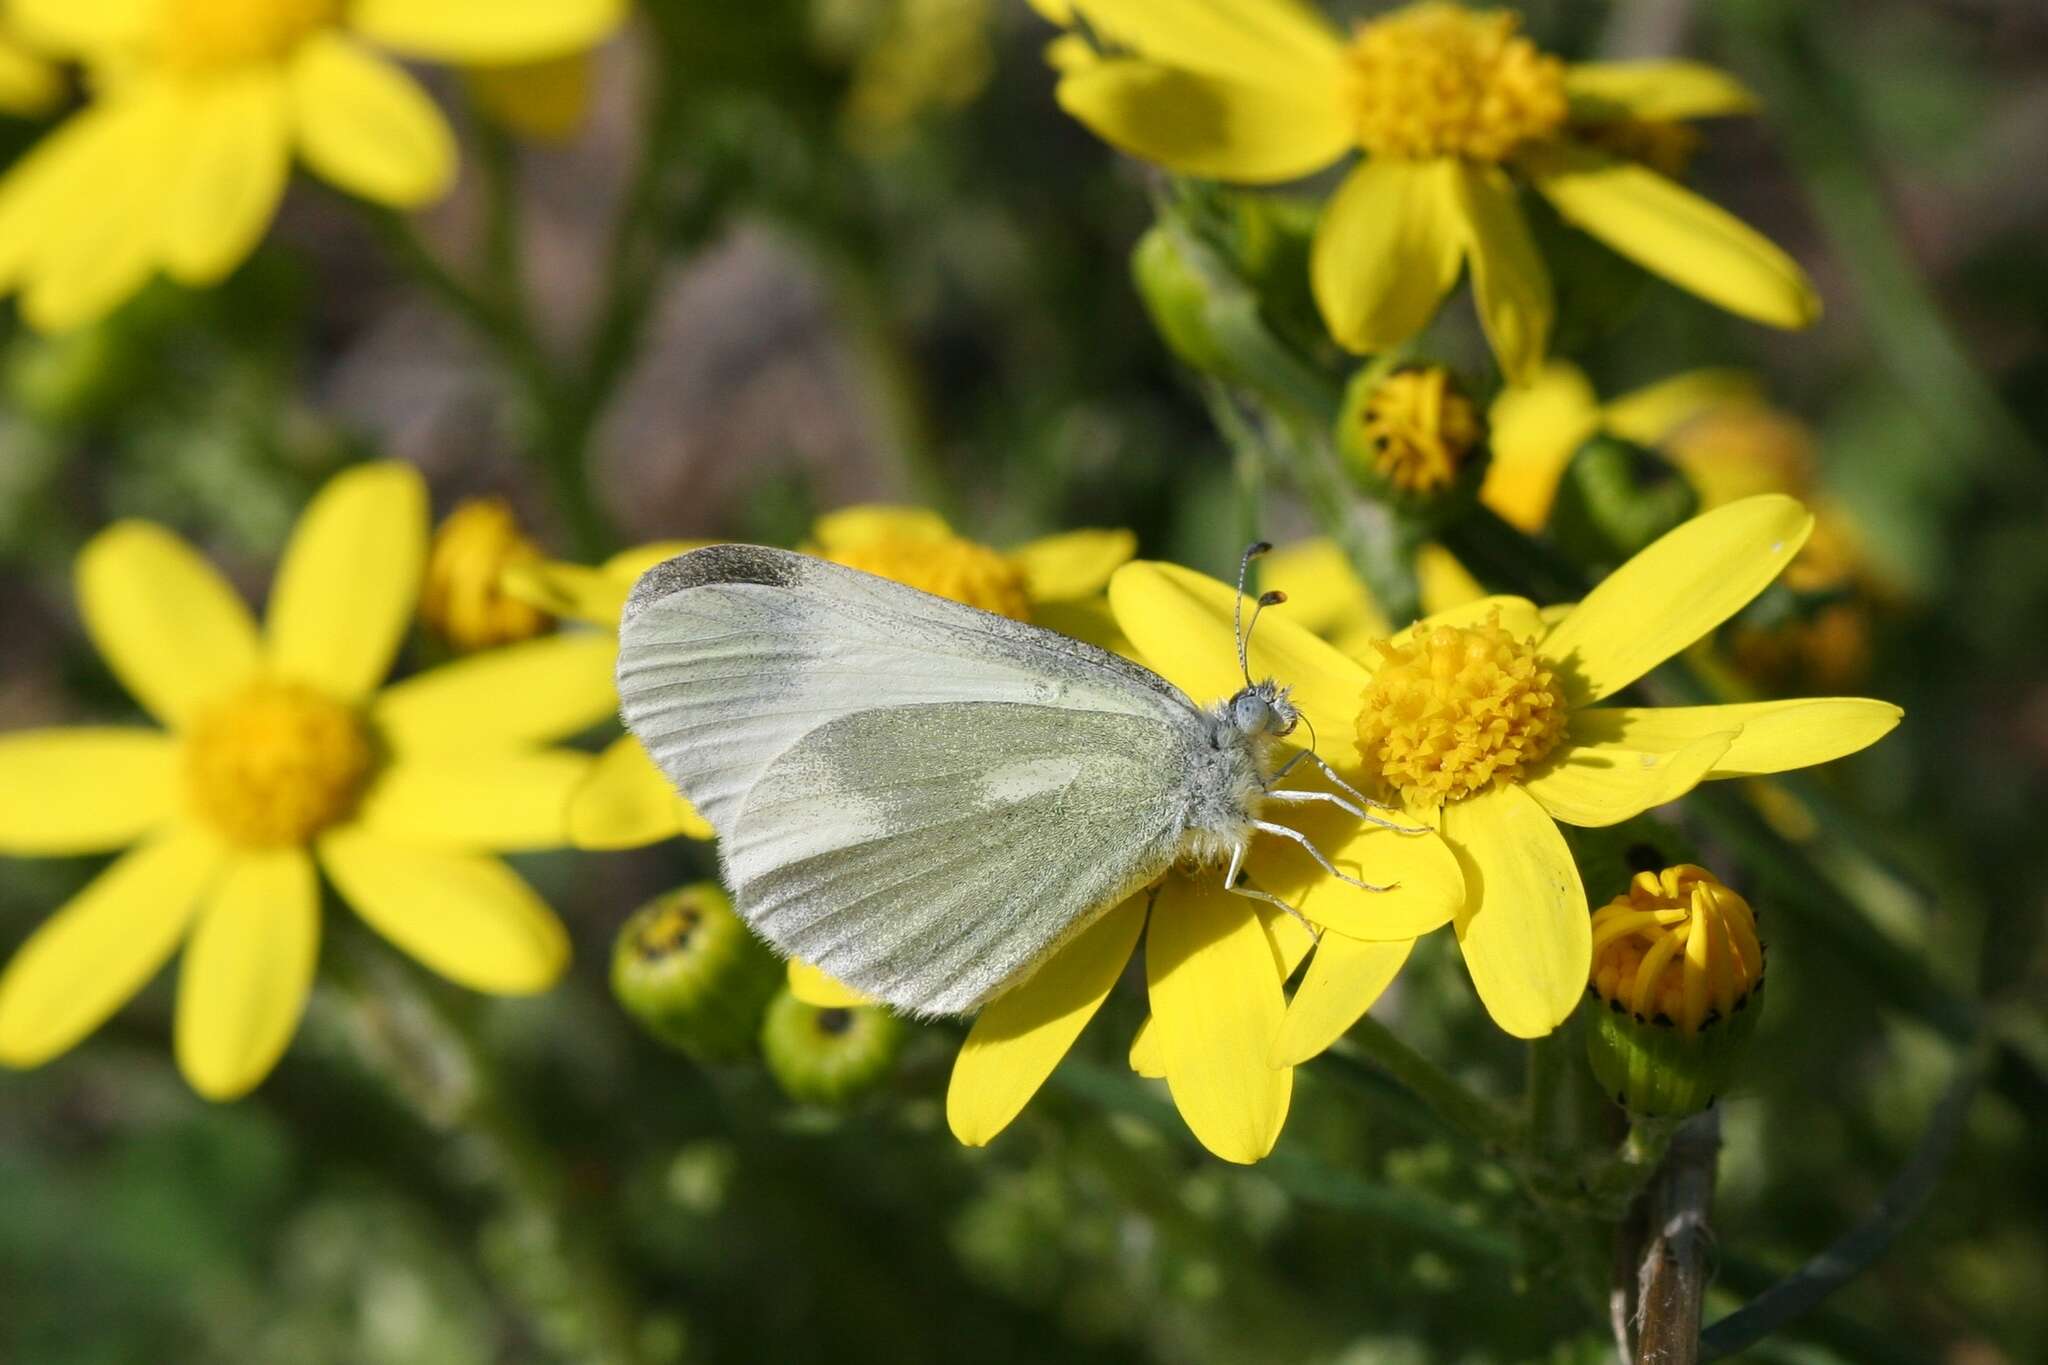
[{"x": 1671, "y": 1279}]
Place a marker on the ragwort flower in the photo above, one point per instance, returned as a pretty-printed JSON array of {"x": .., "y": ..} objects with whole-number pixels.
[
  {"x": 281, "y": 753},
  {"x": 1482, "y": 722},
  {"x": 1452, "y": 107},
  {"x": 199, "y": 108}
]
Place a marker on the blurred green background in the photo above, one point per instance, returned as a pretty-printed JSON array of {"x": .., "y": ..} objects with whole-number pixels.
[{"x": 910, "y": 282}]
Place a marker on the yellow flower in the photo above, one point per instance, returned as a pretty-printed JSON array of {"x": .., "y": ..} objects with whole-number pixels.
[
  {"x": 1215, "y": 963},
  {"x": 919, "y": 55},
  {"x": 1326, "y": 597},
  {"x": 1410, "y": 431},
  {"x": 1452, "y": 108},
  {"x": 282, "y": 752},
  {"x": 200, "y": 106},
  {"x": 545, "y": 100},
  {"x": 29, "y": 85},
  {"x": 1676, "y": 945},
  {"x": 463, "y": 600},
  {"x": 1482, "y": 721}
]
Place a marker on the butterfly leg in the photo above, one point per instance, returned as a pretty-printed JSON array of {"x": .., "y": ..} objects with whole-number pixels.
[
  {"x": 1252, "y": 893},
  {"x": 1301, "y": 797},
  {"x": 1310, "y": 756},
  {"x": 1285, "y": 832}
]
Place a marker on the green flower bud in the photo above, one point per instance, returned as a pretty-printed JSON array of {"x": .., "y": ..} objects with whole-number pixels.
[
  {"x": 693, "y": 974},
  {"x": 1412, "y": 438},
  {"x": 828, "y": 1056},
  {"x": 1176, "y": 291},
  {"x": 1676, "y": 991},
  {"x": 1615, "y": 498}
]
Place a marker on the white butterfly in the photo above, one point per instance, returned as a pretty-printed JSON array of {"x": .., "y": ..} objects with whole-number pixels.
[{"x": 924, "y": 799}]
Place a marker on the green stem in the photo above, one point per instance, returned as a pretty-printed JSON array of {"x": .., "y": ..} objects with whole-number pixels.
[
  {"x": 430, "y": 1054},
  {"x": 1487, "y": 1123}
]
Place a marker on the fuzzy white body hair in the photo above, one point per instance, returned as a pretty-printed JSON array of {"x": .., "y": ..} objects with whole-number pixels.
[{"x": 1230, "y": 772}]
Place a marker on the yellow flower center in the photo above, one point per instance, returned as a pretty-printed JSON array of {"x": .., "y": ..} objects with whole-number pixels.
[
  {"x": 462, "y": 601},
  {"x": 1438, "y": 79},
  {"x": 1454, "y": 707},
  {"x": 1678, "y": 947},
  {"x": 276, "y": 764},
  {"x": 960, "y": 569},
  {"x": 1419, "y": 428},
  {"x": 216, "y": 33}
]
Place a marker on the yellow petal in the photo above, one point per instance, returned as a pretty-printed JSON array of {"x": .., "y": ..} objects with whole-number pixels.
[
  {"x": 1595, "y": 785},
  {"x": 1216, "y": 127},
  {"x": 1654, "y": 91},
  {"x": 1021, "y": 1035},
  {"x": 1535, "y": 428},
  {"x": 1324, "y": 594},
  {"x": 1674, "y": 592},
  {"x": 84, "y": 790},
  {"x": 1427, "y": 886},
  {"x": 1445, "y": 583},
  {"x": 1386, "y": 252},
  {"x": 574, "y": 592},
  {"x": 247, "y": 972},
  {"x": 1283, "y": 44},
  {"x": 1518, "y": 616},
  {"x": 510, "y": 802},
  {"x": 1670, "y": 231},
  {"x": 1089, "y": 619},
  {"x": 627, "y": 802},
  {"x": 1344, "y": 979},
  {"x": 232, "y": 178},
  {"x": 1069, "y": 51},
  {"x": 864, "y": 524},
  {"x": 1290, "y": 939},
  {"x": 76, "y": 27},
  {"x": 84, "y": 227},
  {"x": 166, "y": 622},
  {"x": 102, "y": 947},
  {"x": 465, "y": 915},
  {"x": 1072, "y": 564},
  {"x": 1649, "y": 414},
  {"x": 1772, "y": 736},
  {"x": 365, "y": 125},
  {"x": 1525, "y": 931},
  {"x": 1059, "y": 12},
  {"x": 29, "y": 86},
  {"x": 1509, "y": 280},
  {"x": 531, "y": 692},
  {"x": 1146, "y": 1058},
  {"x": 486, "y": 32},
  {"x": 628, "y": 565},
  {"x": 812, "y": 986},
  {"x": 1180, "y": 622},
  {"x": 344, "y": 593},
  {"x": 1216, "y": 1006}
]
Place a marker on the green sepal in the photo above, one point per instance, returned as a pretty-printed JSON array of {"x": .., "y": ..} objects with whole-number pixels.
[
  {"x": 1616, "y": 498},
  {"x": 829, "y": 1056},
  {"x": 693, "y": 974},
  {"x": 1655, "y": 1069}
]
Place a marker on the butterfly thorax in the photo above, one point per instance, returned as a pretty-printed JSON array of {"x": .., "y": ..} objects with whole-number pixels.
[{"x": 1230, "y": 770}]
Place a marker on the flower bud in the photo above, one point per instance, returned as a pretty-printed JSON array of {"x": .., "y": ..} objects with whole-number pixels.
[
  {"x": 1675, "y": 993},
  {"x": 1615, "y": 498},
  {"x": 463, "y": 600},
  {"x": 828, "y": 1056},
  {"x": 1412, "y": 438},
  {"x": 1176, "y": 293},
  {"x": 693, "y": 974}
]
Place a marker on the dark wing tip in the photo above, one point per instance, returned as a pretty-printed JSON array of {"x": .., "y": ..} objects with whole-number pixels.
[{"x": 713, "y": 564}]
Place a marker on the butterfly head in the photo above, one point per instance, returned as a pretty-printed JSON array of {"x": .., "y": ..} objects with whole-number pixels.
[{"x": 1264, "y": 709}]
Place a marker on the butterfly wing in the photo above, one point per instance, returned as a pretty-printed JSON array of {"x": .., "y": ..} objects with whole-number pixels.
[
  {"x": 932, "y": 855},
  {"x": 729, "y": 655}
]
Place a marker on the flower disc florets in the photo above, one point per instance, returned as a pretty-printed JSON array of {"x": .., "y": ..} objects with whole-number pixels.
[
  {"x": 1452, "y": 708},
  {"x": 1418, "y": 429},
  {"x": 1436, "y": 80},
  {"x": 950, "y": 567},
  {"x": 275, "y": 764},
  {"x": 1677, "y": 947}
]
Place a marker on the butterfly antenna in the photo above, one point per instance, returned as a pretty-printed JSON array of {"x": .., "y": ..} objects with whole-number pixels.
[{"x": 1244, "y": 571}]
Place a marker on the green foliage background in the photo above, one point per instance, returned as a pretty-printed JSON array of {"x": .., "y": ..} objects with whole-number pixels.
[{"x": 943, "y": 312}]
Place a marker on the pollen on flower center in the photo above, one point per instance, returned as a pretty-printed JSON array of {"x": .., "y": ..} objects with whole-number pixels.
[
  {"x": 1677, "y": 947},
  {"x": 276, "y": 763},
  {"x": 1438, "y": 79},
  {"x": 1454, "y": 707},
  {"x": 960, "y": 569},
  {"x": 216, "y": 33},
  {"x": 1418, "y": 429}
]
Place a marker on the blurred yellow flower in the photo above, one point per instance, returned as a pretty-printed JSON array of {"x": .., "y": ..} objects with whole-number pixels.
[
  {"x": 545, "y": 100},
  {"x": 463, "y": 600},
  {"x": 1482, "y": 722},
  {"x": 199, "y": 107},
  {"x": 1326, "y": 597},
  {"x": 281, "y": 751},
  {"x": 29, "y": 84},
  {"x": 1452, "y": 107},
  {"x": 918, "y": 55}
]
